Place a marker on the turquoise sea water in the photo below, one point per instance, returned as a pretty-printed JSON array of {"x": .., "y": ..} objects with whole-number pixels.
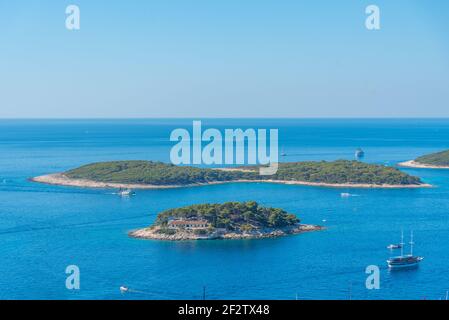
[{"x": 45, "y": 228}]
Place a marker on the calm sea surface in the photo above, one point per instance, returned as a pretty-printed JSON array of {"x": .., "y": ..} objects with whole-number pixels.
[{"x": 45, "y": 228}]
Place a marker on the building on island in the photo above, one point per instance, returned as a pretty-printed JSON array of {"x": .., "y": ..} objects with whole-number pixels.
[{"x": 187, "y": 224}]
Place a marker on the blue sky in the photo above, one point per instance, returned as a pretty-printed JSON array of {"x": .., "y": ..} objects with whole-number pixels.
[{"x": 229, "y": 58}]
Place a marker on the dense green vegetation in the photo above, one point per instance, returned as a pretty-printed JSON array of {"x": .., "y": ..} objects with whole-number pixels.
[
  {"x": 436, "y": 159},
  {"x": 244, "y": 216},
  {"x": 158, "y": 173},
  {"x": 147, "y": 172},
  {"x": 343, "y": 171}
]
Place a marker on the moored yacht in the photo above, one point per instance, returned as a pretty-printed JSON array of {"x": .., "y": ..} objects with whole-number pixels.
[{"x": 404, "y": 261}]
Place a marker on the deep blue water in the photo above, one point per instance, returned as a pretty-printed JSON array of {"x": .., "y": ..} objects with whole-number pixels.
[{"x": 45, "y": 228}]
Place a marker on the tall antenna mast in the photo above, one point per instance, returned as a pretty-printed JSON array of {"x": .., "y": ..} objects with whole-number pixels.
[
  {"x": 350, "y": 290},
  {"x": 402, "y": 242},
  {"x": 411, "y": 243}
]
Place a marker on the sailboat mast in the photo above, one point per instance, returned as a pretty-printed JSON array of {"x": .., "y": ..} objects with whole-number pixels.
[{"x": 411, "y": 243}]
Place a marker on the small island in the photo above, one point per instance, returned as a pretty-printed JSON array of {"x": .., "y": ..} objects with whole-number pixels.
[
  {"x": 157, "y": 175},
  {"x": 230, "y": 220},
  {"x": 438, "y": 160}
]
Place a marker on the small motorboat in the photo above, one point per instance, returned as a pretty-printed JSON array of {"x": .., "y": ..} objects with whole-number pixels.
[
  {"x": 345, "y": 195},
  {"x": 124, "y": 289},
  {"x": 126, "y": 192},
  {"x": 394, "y": 246}
]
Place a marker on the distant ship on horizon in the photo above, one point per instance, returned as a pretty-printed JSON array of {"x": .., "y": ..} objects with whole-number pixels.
[{"x": 359, "y": 153}]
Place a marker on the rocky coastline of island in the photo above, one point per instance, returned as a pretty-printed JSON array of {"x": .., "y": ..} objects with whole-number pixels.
[
  {"x": 418, "y": 165},
  {"x": 437, "y": 160},
  {"x": 157, "y": 175},
  {"x": 62, "y": 180},
  {"x": 230, "y": 220},
  {"x": 152, "y": 233}
]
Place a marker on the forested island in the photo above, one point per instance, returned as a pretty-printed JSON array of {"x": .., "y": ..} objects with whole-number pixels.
[
  {"x": 230, "y": 220},
  {"x": 438, "y": 160},
  {"x": 150, "y": 174}
]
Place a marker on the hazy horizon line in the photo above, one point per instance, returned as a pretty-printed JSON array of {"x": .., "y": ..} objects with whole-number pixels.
[{"x": 231, "y": 118}]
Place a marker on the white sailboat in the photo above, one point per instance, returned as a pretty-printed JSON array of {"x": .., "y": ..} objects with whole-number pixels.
[{"x": 283, "y": 154}]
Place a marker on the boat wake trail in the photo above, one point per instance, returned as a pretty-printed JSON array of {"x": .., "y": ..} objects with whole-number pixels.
[{"x": 347, "y": 195}]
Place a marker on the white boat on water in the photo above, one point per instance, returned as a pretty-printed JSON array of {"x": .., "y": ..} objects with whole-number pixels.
[
  {"x": 405, "y": 261},
  {"x": 394, "y": 246},
  {"x": 345, "y": 195},
  {"x": 125, "y": 192},
  {"x": 124, "y": 289}
]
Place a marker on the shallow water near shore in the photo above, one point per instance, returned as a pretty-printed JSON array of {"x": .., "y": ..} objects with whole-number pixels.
[{"x": 45, "y": 228}]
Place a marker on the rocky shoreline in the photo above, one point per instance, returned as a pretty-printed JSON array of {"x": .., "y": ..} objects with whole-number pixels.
[
  {"x": 152, "y": 233},
  {"x": 414, "y": 164},
  {"x": 63, "y": 180}
]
